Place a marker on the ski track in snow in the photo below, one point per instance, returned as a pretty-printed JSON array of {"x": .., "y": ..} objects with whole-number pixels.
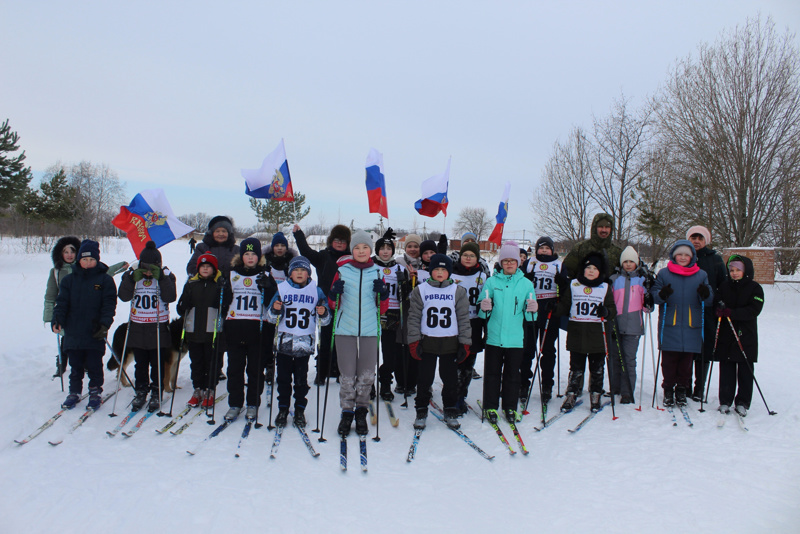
[{"x": 635, "y": 474}]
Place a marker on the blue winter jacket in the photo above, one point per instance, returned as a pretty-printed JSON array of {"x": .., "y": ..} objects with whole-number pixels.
[
  {"x": 358, "y": 313},
  {"x": 86, "y": 299},
  {"x": 680, "y": 317}
]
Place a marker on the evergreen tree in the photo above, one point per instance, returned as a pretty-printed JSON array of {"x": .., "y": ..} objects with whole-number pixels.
[
  {"x": 14, "y": 176},
  {"x": 277, "y": 213}
]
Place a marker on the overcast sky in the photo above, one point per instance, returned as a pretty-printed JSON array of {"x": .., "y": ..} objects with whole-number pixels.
[{"x": 182, "y": 95}]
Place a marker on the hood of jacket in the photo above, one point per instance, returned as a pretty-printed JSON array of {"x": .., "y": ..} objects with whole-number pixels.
[
  {"x": 684, "y": 243},
  {"x": 749, "y": 270},
  {"x": 596, "y": 240},
  {"x": 56, "y": 254}
]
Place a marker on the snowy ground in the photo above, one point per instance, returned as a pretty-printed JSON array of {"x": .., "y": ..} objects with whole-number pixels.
[{"x": 635, "y": 474}]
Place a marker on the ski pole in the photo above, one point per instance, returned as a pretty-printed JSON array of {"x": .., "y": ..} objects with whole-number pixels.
[
  {"x": 378, "y": 367},
  {"x": 158, "y": 351},
  {"x": 749, "y": 366},
  {"x": 59, "y": 363},
  {"x": 658, "y": 366},
  {"x": 319, "y": 344},
  {"x": 274, "y": 364},
  {"x": 608, "y": 364},
  {"x": 328, "y": 378},
  {"x": 644, "y": 354},
  {"x": 119, "y": 359},
  {"x": 260, "y": 368},
  {"x": 177, "y": 372},
  {"x": 707, "y": 388},
  {"x": 402, "y": 345},
  {"x": 213, "y": 374}
]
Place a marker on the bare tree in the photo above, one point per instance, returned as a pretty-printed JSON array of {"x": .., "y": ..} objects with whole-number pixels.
[
  {"x": 562, "y": 204},
  {"x": 732, "y": 119},
  {"x": 619, "y": 151},
  {"x": 198, "y": 221},
  {"x": 99, "y": 194},
  {"x": 475, "y": 220}
]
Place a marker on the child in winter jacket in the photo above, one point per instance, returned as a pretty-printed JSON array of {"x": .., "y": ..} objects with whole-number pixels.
[
  {"x": 631, "y": 299},
  {"x": 296, "y": 307},
  {"x": 149, "y": 288},
  {"x": 439, "y": 328},
  {"x": 469, "y": 274},
  {"x": 682, "y": 292},
  {"x": 545, "y": 271},
  {"x": 589, "y": 303},
  {"x": 249, "y": 288},
  {"x": 396, "y": 278},
  {"x": 509, "y": 300},
  {"x": 202, "y": 309},
  {"x": 84, "y": 311},
  {"x": 358, "y": 286},
  {"x": 739, "y": 302}
]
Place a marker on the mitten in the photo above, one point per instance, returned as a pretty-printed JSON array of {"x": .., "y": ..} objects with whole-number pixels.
[
  {"x": 379, "y": 287},
  {"x": 412, "y": 348},
  {"x": 155, "y": 270},
  {"x": 337, "y": 289},
  {"x": 665, "y": 292},
  {"x": 703, "y": 291},
  {"x": 723, "y": 312},
  {"x": 100, "y": 331},
  {"x": 138, "y": 275},
  {"x": 648, "y": 301},
  {"x": 389, "y": 235},
  {"x": 265, "y": 282},
  {"x": 442, "y": 248},
  {"x": 602, "y": 311},
  {"x": 462, "y": 354}
]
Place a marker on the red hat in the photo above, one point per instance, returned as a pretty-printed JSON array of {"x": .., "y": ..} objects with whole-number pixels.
[{"x": 207, "y": 258}]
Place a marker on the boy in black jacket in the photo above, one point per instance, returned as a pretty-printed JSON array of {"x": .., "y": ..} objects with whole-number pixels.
[{"x": 84, "y": 311}]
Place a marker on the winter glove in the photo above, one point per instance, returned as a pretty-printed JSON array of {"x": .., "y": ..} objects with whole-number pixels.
[
  {"x": 138, "y": 275},
  {"x": 723, "y": 312},
  {"x": 648, "y": 301},
  {"x": 602, "y": 311},
  {"x": 336, "y": 289},
  {"x": 265, "y": 282},
  {"x": 703, "y": 291},
  {"x": 100, "y": 331},
  {"x": 665, "y": 292},
  {"x": 155, "y": 270},
  {"x": 561, "y": 280},
  {"x": 462, "y": 354},
  {"x": 412, "y": 348},
  {"x": 389, "y": 235},
  {"x": 442, "y": 248},
  {"x": 380, "y": 287},
  {"x": 486, "y": 304},
  {"x": 531, "y": 306}
]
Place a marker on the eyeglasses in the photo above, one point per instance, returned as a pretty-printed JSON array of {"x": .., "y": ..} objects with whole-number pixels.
[
  {"x": 469, "y": 256},
  {"x": 340, "y": 241}
]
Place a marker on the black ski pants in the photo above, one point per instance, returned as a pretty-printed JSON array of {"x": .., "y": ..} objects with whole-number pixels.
[
  {"x": 289, "y": 366},
  {"x": 448, "y": 372},
  {"x": 147, "y": 368},
  {"x": 501, "y": 377},
  {"x": 245, "y": 358}
]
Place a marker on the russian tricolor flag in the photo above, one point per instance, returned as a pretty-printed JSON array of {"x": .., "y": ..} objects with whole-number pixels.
[
  {"x": 272, "y": 180},
  {"x": 434, "y": 194},
  {"x": 500, "y": 220},
  {"x": 376, "y": 184},
  {"x": 149, "y": 217}
]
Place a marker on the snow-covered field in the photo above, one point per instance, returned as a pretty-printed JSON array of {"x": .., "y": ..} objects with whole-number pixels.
[{"x": 635, "y": 474}]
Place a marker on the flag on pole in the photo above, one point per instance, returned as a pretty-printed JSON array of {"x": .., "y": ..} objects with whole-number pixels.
[
  {"x": 376, "y": 184},
  {"x": 149, "y": 217},
  {"x": 500, "y": 220},
  {"x": 434, "y": 194},
  {"x": 272, "y": 180}
]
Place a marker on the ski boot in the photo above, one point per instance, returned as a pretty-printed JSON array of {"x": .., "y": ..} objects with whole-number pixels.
[
  {"x": 680, "y": 396},
  {"x": 346, "y": 423},
  {"x": 569, "y": 402},
  {"x": 724, "y": 409},
  {"x": 697, "y": 394},
  {"x": 421, "y": 420},
  {"x": 386, "y": 393},
  {"x": 197, "y": 398},
  {"x": 461, "y": 406},
  {"x": 626, "y": 399},
  {"x": 595, "y": 399},
  {"x": 512, "y": 416},
  {"x": 70, "y": 402},
  {"x": 139, "y": 400},
  {"x": 299, "y": 419},
  {"x": 451, "y": 418},
  {"x": 251, "y": 413},
  {"x": 282, "y": 417},
  {"x": 155, "y": 402},
  {"x": 208, "y": 399},
  {"x": 94, "y": 398},
  {"x": 232, "y": 413},
  {"x": 491, "y": 416},
  {"x": 362, "y": 429},
  {"x": 741, "y": 410},
  {"x": 547, "y": 394},
  {"x": 669, "y": 397}
]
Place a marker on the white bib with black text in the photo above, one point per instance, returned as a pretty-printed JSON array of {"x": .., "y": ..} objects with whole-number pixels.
[
  {"x": 585, "y": 301},
  {"x": 246, "y": 298},
  {"x": 147, "y": 306},
  {"x": 390, "y": 279},
  {"x": 439, "y": 310},
  {"x": 298, "y": 316},
  {"x": 544, "y": 277},
  {"x": 473, "y": 283}
]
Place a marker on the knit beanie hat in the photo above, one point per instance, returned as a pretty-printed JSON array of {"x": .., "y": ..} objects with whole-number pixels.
[
  {"x": 339, "y": 231},
  {"x": 360, "y": 237},
  {"x": 150, "y": 255},
  {"x": 523, "y": 251},
  {"x": 547, "y": 242},
  {"x": 251, "y": 244},
  {"x": 629, "y": 254},
  {"x": 596, "y": 259},
  {"x": 386, "y": 239},
  {"x": 299, "y": 262},
  {"x": 220, "y": 221},
  {"x": 441, "y": 261},
  {"x": 207, "y": 259},
  {"x": 469, "y": 235},
  {"x": 413, "y": 238},
  {"x": 428, "y": 244},
  {"x": 472, "y": 247},
  {"x": 682, "y": 249},
  {"x": 89, "y": 249},
  {"x": 509, "y": 251},
  {"x": 279, "y": 239},
  {"x": 702, "y": 230},
  {"x": 739, "y": 264}
]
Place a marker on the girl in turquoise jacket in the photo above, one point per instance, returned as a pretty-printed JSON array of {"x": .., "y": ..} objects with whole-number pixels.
[{"x": 509, "y": 299}]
